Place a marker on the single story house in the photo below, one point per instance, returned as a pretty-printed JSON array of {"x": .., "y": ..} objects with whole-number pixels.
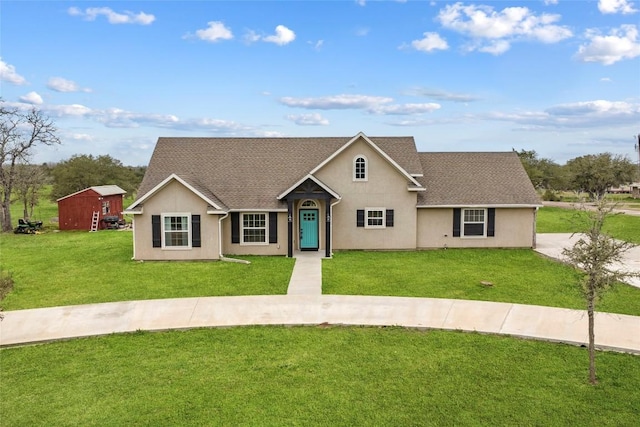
[
  {"x": 77, "y": 211},
  {"x": 205, "y": 198}
]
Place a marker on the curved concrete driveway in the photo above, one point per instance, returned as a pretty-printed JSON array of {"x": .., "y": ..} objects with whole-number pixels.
[{"x": 613, "y": 331}]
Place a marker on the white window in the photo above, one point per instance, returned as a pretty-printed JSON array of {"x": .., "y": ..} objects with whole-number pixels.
[
  {"x": 254, "y": 229},
  {"x": 473, "y": 222},
  {"x": 106, "y": 207},
  {"x": 175, "y": 228},
  {"x": 375, "y": 218},
  {"x": 360, "y": 168},
  {"x": 309, "y": 204}
]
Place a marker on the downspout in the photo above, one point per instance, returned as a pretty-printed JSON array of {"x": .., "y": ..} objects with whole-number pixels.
[
  {"x": 221, "y": 256},
  {"x": 535, "y": 228},
  {"x": 332, "y": 227}
]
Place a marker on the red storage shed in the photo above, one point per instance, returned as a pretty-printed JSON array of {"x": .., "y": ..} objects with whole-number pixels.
[{"x": 79, "y": 210}]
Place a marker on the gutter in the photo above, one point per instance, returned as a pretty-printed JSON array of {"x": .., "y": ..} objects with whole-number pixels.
[
  {"x": 331, "y": 213},
  {"x": 221, "y": 256}
]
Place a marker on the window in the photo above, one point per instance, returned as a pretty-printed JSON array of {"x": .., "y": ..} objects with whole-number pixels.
[
  {"x": 176, "y": 231},
  {"x": 375, "y": 218},
  {"x": 106, "y": 207},
  {"x": 309, "y": 204},
  {"x": 254, "y": 228},
  {"x": 360, "y": 168},
  {"x": 473, "y": 222}
]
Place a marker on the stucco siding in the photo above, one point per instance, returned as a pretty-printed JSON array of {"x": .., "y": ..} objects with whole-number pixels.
[
  {"x": 385, "y": 188},
  {"x": 514, "y": 228},
  {"x": 175, "y": 199},
  {"x": 279, "y": 248}
]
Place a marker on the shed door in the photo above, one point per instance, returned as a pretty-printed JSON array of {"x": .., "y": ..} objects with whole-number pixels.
[{"x": 309, "y": 229}]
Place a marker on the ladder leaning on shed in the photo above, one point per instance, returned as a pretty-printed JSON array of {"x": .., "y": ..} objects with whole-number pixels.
[{"x": 94, "y": 221}]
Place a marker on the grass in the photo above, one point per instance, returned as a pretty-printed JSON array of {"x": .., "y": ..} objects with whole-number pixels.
[
  {"x": 66, "y": 268},
  {"x": 335, "y": 376},
  {"x": 518, "y": 276},
  {"x": 560, "y": 220}
]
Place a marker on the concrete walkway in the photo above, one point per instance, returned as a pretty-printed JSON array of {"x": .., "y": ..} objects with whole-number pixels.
[
  {"x": 306, "y": 278},
  {"x": 304, "y": 305},
  {"x": 552, "y": 244}
]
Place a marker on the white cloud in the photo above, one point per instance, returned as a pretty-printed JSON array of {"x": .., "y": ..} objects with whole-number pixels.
[
  {"x": 495, "y": 47},
  {"x": 32, "y": 98},
  {"x": 120, "y": 118},
  {"x": 621, "y": 43},
  {"x": 362, "y": 31},
  {"x": 549, "y": 2},
  {"x": 8, "y": 74},
  {"x": 588, "y": 114},
  {"x": 616, "y": 6},
  {"x": 60, "y": 84},
  {"x": 370, "y": 104},
  {"x": 405, "y": 109},
  {"x": 71, "y": 110},
  {"x": 215, "y": 31},
  {"x": 336, "y": 102},
  {"x": 80, "y": 137},
  {"x": 314, "y": 119},
  {"x": 606, "y": 79},
  {"x": 126, "y": 17},
  {"x": 494, "y": 31},
  {"x": 441, "y": 95},
  {"x": 282, "y": 36},
  {"x": 361, "y": 2},
  {"x": 316, "y": 45},
  {"x": 430, "y": 42}
]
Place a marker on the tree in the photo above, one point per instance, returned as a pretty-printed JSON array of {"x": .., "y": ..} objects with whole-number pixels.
[
  {"x": 21, "y": 132},
  {"x": 29, "y": 181},
  {"x": 543, "y": 173},
  {"x": 596, "y": 173},
  {"x": 82, "y": 171},
  {"x": 595, "y": 255}
]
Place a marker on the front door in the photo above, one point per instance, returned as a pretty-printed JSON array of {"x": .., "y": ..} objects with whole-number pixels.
[{"x": 308, "y": 229}]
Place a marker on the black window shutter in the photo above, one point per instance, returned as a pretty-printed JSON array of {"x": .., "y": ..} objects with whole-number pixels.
[
  {"x": 273, "y": 227},
  {"x": 156, "y": 231},
  {"x": 491, "y": 222},
  {"x": 195, "y": 231},
  {"x": 389, "y": 218},
  {"x": 235, "y": 227},
  {"x": 456, "y": 221},
  {"x": 360, "y": 218}
]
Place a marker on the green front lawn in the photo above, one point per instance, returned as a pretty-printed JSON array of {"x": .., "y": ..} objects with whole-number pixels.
[
  {"x": 518, "y": 276},
  {"x": 67, "y": 268},
  {"x": 560, "y": 220},
  {"x": 274, "y": 376}
]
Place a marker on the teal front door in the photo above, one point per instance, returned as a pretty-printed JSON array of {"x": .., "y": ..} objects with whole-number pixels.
[{"x": 308, "y": 229}]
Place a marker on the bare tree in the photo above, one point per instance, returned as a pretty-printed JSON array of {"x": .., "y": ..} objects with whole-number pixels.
[
  {"x": 21, "y": 131},
  {"x": 595, "y": 255},
  {"x": 27, "y": 184}
]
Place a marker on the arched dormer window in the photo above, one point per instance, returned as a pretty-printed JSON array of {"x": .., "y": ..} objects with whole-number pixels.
[{"x": 360, "y": 168}]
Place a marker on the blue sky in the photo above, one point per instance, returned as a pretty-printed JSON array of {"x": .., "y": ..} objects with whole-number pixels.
[{"x": 561, "y": 77}]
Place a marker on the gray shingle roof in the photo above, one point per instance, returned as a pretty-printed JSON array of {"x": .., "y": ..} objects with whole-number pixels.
[
  {"x": 103, "y": 190},
  {"x": 249, "y": 173},
  {"x": 463, "y": 179}
]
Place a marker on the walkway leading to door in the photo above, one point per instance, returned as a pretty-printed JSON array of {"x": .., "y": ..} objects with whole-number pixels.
[{"x": 306, "y": 278}]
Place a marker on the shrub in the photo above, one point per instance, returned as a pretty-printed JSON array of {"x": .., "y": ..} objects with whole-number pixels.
[{"x": 550, "y": 196}]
